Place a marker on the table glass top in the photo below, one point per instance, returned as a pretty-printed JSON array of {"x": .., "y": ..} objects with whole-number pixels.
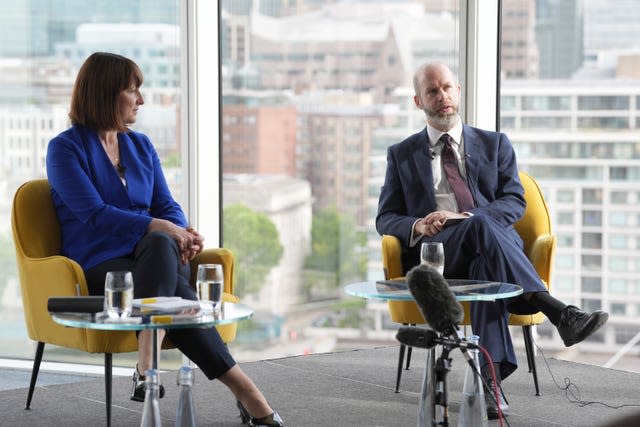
[
  {"x": 229, "y": 313},
  {"x": 464, "y": 290}
]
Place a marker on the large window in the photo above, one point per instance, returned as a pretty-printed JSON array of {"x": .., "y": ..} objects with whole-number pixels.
[
  {"x": 313, "y": 93},
  {"x": 42, "y": 45},
  {"x": 570, "y": 112}
]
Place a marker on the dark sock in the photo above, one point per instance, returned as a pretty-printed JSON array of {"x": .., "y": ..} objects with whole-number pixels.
[
  {"x": 486, "y": 372},
  {"x": 550, "y": 306}
]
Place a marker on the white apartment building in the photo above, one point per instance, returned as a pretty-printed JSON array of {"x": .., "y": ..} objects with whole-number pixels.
[
  {"x": 286, "y": 201},
  {"x": 581, "y": 141}
]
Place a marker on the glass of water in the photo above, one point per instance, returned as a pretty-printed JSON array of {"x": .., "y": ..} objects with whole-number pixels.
[
  {"x": 209, "y": 286},
  {"x": 118, "y": 294},
  {"x": 432, "y": 254}
]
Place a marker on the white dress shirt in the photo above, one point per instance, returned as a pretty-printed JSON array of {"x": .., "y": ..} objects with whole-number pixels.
[{"x": 445, "y": 198}]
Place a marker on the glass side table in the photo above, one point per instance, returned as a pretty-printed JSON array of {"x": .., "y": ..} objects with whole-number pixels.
[
  {"x": 228, "y": 313},
  {"x": 463, "y": 290}
]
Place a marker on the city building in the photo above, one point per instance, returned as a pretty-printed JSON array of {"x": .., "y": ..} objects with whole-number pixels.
[
  {"x": 259, "y": 133},
  {"x": 334, "y": 149},
  {"x": 581, "y": 140},
  {"x": 519, "y": 50},
  {"x": 559, "y": 36},
  {"x": 286, "y": 201},
  {"x": 364, "y": 51}
]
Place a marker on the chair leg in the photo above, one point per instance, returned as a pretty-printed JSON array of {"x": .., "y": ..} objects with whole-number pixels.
[
  {"x": 108, "y": 363},
  {"x": 531, "y": 360},
  {"x": 400, "y": 360},
  {"x": 34, "y": 372},
  {"x": 409, "y": 349}
]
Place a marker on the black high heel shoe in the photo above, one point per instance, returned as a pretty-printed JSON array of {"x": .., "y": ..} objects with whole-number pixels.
[
  {"x": 272, "y": 420},
  {"x": 138, "y": 388}
]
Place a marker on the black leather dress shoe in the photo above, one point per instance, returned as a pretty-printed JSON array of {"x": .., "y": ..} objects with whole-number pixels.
[
  {"x": 492, "y": 407},
  {"x": 575, "y": 325},
  {"x": 272, "y": 420}
]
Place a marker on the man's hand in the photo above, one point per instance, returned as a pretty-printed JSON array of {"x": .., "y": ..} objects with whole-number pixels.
[{"x": 433, "y": 223}]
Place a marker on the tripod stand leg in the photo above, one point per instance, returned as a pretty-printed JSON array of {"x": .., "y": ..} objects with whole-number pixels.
[{"x": 426, "y": 406}]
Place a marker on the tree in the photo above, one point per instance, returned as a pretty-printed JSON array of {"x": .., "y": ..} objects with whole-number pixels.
[
  {"x": 255, "y": 243},
  {"x": 337, "y": 254}
]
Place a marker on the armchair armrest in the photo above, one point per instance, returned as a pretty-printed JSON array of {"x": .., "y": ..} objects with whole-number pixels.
[
  {"x": 391, "y": 257},
  {"x": 42, "y": 278},
  {"x": 215, "y": 256}
]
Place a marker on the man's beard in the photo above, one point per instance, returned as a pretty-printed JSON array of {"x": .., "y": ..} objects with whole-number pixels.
[{"x": 443, "y": 120}]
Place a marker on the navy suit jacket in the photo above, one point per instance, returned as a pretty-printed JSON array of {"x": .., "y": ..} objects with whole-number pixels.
[
  {"x": 100, "y": 218},
  {"x": 408, "y": 192}
]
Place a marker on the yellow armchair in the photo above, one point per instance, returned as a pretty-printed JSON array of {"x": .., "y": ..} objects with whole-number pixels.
[
  {"x": 44, "y": 273},
  {"x": 539, "y": 246}
]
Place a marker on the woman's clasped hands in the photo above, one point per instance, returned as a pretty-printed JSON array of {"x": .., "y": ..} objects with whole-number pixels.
[{"x": 189, "y": 241}]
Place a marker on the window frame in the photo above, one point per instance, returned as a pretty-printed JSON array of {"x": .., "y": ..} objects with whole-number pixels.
[{"x": 200, "y": 83}]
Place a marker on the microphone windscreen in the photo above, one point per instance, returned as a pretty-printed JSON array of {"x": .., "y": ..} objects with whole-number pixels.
[
  {"x": 416, "y": 337},
  {"x": 435, "y": 299}
]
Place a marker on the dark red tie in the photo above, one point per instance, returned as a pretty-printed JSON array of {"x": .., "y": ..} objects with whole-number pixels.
[{"x": 457, "y": 183}]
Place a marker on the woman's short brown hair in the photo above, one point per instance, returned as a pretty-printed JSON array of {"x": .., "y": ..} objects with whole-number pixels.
[{"x": 94, "y": 100}]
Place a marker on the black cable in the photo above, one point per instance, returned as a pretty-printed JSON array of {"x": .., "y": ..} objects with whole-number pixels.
[{"x": 572, "y": 391}]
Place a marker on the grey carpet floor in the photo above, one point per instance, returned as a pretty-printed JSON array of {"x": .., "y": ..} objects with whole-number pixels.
[{"x": 351, "y": 388}]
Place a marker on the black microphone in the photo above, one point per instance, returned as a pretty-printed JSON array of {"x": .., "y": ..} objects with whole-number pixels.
[
  {"x": 417, "y": 337},
  {"x": 427, "y": 338},
  {"x": 435, "y": 299}
]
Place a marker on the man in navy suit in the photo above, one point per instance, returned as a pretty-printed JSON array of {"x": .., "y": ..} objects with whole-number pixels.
[{"x": 421, "y": 191}]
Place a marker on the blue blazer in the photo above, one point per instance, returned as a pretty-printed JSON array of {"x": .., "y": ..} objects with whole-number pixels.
[
  {"x": 408, "y": 192},
  {"x": 100, "y": 218}
]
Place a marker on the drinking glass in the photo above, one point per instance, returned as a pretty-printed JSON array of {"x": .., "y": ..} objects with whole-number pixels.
[
  {"x": 209, "y": 286},
  {"x": 118, "y": 294},
  {"x": 432, "y": 254}
]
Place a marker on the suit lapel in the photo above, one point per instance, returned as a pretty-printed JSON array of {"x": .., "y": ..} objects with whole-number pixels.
[
  {"x": 422, "y": 161},
  {"x": 472, "y": 149},
  {"x": 422, "y": 169}
]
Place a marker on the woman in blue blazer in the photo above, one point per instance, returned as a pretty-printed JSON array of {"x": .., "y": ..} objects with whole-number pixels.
[{"x": 116, "y": 213}]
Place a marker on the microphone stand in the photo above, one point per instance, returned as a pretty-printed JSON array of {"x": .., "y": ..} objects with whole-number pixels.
[{"x": 434, "y": 407}]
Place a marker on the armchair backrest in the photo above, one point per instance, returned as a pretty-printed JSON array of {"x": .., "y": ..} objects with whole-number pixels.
[
  {"x": 45, "y": 273},
  {"x": 536, "y": 220},
  {"x": 36, "y": 230},
  {"x": 535, "y": 229}
]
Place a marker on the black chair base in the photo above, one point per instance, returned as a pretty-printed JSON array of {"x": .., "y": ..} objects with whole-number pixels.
[
  {"x": 401, "y": 360},
  {"x": 34, "y": 372},
  {"x": 108, "y": 365},
  {"x": 531, "y": 360}
]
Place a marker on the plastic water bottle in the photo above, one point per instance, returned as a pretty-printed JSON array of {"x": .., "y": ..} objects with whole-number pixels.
[
  {"x": 426, "y": 406},
  {"x": 151, "y": 410},
  {"x": 186, "y": 416},
  {"x": 473, "y": 409}
]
